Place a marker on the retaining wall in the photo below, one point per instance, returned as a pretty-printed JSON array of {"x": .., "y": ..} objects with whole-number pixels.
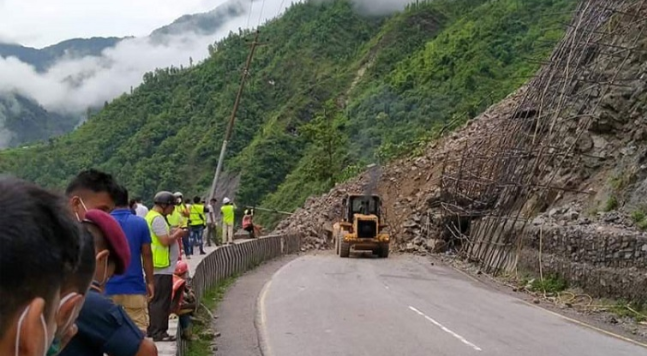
[
  {"x": 229, "y": 260},
  {"x": 604, "y": 261}
]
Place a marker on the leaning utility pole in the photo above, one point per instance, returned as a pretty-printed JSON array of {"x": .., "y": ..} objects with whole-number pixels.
[{"x": 232, "y": 119}]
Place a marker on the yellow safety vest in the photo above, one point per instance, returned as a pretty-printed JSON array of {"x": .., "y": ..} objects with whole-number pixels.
[
  {"x": 196, "y": 217},
  {"x": 228, "y": 214},
  {"x": 184, "y": 222},
  {"x": 176, "y": 219},
  {"x": 161, "y": 253}
]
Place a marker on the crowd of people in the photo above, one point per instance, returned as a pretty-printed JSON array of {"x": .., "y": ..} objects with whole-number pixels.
[{"x": 90, "y": 272}]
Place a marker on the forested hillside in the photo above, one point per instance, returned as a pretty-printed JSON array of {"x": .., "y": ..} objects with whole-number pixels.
[{"x": 329, "y": 91}]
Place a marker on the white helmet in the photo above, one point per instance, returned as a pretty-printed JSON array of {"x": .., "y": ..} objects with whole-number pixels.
[
  {"x": 178, "y": 194},
  {"x": 226, "y": 200}
]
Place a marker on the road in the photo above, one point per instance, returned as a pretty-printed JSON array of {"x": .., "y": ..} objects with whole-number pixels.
[{"x": 325, "y": 305}]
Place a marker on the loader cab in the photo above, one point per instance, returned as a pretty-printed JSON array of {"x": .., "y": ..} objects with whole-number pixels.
[{"x": 362, "y": 204}]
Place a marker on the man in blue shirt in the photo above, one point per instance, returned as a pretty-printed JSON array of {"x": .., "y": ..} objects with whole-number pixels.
[{"x": 129, "y": 289}]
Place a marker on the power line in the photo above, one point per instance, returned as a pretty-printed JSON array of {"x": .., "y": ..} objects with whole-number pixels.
[
  {"x": 249, "y": 16},
  {"x": 260, "y": 16}
]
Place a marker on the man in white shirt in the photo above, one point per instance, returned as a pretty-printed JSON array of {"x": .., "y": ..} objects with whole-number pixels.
[
  {"x": 141, "y": 210},
  {"x": 211, "y": 223}
]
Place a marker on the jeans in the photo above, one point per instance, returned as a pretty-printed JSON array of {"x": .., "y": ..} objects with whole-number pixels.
[
  {"x": 185, "y": 321},
  {"x": 187, "y": 243},
  {"x": 196, "y": 237}
]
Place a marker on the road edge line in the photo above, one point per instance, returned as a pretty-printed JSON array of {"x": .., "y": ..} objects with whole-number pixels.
[
  {"x": 581, "y": 323},
  {"x": 260, "y": 321},
  {"x": 261, "y": 317}
]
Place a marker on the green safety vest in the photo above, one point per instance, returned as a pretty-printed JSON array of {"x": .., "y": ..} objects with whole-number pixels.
[
  {"x": 161, "y": 253},
  {"x": 196, "y": 215}
]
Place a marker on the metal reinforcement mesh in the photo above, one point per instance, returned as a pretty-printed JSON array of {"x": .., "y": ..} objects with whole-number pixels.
[{"x": 491, "y": 180}]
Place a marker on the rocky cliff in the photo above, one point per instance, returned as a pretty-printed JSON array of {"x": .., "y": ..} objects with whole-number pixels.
[{"x": 553, "y": 178}]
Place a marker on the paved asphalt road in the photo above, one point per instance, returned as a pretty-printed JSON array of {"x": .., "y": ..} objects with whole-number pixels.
[{"x": 325, "y": 305}]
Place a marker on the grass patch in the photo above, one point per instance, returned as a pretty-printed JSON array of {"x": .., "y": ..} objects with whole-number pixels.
[
  {"x": 637, "y": 216},
  {"x": 640, "y": 218},
  {"x": 634, "y": 310},
  {"x": 551, "y": 284},
  {"x": 211, "y": 299},
  {"x": 611, "y": 204},
  {"x": 623, "y": 179}
]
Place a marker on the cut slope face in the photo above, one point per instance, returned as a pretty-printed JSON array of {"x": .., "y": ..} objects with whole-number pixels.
[{"x": 570, "y": 146}]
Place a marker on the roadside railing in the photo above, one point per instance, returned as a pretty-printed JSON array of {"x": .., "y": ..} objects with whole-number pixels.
[{"x": 230, "y": 260}]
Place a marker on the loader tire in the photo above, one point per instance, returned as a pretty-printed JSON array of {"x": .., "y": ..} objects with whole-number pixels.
[
  {"x": 384, "y": 251},
  {"x": 344, "y": 249}
]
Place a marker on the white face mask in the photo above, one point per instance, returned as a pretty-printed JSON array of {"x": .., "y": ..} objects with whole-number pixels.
[
  {"x": 69, "y": 321},
  {"x": 84, "y": 208},
  {"x": 104, "y": 280},
  {"x": 46, "y": 341}
]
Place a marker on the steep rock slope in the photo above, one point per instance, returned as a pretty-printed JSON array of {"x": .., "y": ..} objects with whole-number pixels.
[{"x": 564, "y": 160}]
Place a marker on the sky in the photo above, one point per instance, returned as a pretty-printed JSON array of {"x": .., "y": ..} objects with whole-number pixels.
[{"x": 39, "y": 23}]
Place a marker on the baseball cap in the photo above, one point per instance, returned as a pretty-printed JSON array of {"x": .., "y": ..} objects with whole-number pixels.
[{"x": 115, "y": 237}]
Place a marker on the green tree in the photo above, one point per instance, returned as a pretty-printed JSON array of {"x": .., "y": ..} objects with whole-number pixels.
[{"x": 329, "y": 145}]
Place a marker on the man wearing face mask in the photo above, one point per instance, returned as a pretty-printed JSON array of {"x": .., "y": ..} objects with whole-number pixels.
[
  {"x": 39, "y": 248},
  {"x": 166, "y": 252},
  {"x": 103, "y": 327},
  {"x": 91, "y": 189}
]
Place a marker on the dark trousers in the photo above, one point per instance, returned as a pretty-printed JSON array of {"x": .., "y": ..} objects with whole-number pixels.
[
  {"x": 212, "y": 236},
  {"x": 160, "y": 307}
]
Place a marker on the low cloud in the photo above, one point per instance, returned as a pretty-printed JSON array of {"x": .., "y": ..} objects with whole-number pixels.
[
  {"x": 377, "y": 7},
  {"x": 70, "y": 86}
]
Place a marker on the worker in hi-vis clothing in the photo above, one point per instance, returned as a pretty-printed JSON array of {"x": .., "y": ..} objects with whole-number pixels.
[{"x": 227, "y": 211}]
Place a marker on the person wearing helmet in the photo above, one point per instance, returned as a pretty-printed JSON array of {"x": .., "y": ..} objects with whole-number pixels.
[
  {"x": 228, "y": 218},
  {"x": 184, "y": 301},
  {"x": 179, "y": 219},
  {"x": 166, "y": 251}
]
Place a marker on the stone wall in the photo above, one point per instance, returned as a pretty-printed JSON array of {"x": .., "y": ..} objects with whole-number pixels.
[{"x": 605, "y": 261}]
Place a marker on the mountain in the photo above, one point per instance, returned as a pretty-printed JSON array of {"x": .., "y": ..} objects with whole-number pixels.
[
  {"x": 42, "y": 59},
  {"x": 202, "y": 24},
  {"x": 329, "y": 91},
  {"x": 23, "y": 120},
  {"x": 54, "y": 124}
]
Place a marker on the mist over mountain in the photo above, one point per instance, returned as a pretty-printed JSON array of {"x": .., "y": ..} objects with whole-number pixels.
[{"x": 67, "y": 79}]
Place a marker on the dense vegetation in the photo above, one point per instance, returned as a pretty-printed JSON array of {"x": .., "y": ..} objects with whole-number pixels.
[{"x": 330, "y": 91}]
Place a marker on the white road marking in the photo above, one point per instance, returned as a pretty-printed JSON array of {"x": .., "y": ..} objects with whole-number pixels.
[
  {"x": 462, "y": 339},
  {"x": 261, "y": 321}
]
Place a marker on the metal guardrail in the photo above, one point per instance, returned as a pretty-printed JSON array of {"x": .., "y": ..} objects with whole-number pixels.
[{"x": 229, "y": 260}]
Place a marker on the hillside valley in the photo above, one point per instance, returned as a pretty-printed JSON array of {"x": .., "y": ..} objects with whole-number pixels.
[
  {"x": 35, "y": 111},
  {"x": 375, "y": 87}
]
